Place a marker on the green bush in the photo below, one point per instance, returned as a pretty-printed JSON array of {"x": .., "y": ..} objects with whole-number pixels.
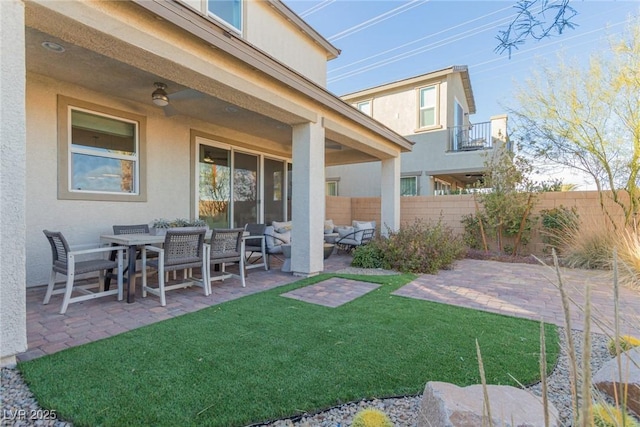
[
  {"x": 605, "y": 415},
  {"x": 556, "y": 224},
  {"x": 472, "y": 236},
  {"x": 371, "y": 417},
  {"x": 627, "y": 342},
  {"x": 423, "y": 247},
  {"x": 368, "y": 256}
]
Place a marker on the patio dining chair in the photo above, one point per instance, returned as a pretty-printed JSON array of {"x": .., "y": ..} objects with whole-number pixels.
[
  {"x": 254, "y": 243},
  {"x": 66, "y": 262},
  {"x": 133, "y": 229},
  {"x": 182, "y": 250},
  {"x": 227, "y": 246}
]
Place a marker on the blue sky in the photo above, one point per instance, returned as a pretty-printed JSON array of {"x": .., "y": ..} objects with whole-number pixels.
[{"x": 388, "y": 40}]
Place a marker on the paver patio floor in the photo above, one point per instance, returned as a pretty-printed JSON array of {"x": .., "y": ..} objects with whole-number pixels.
[
  {"x": 528, "y": 291},
  {"x": 520, "y": 290},
  {"x": 332, "y": 292}
]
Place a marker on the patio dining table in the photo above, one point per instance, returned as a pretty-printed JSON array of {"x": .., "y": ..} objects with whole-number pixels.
[{"x": 133, "y": 241}]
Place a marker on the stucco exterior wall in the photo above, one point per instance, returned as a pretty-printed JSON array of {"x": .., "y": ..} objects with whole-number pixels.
[
  {"x": 168, "y": 174},
  {"x": 271, "y": 32},
  {"x": 13, "y": 328},
  {"x": 451, "y": 209}
]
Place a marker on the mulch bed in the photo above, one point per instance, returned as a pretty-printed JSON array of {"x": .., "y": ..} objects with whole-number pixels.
[{"x": 496, "y": 256}]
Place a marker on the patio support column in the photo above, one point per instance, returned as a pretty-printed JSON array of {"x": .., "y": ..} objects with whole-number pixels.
[
  {"x": 390, "y": 195},
  {"x": 13, "y": 317},
  {"x": 307, "y": 234}
]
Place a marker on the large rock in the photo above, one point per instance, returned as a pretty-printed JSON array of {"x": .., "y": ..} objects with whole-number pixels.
[
  {"x": 447, "y": 405},
  {"x": 607, "y": 378}
]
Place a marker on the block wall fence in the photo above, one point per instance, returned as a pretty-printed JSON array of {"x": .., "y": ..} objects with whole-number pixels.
[{"x": 452, "y": 208}]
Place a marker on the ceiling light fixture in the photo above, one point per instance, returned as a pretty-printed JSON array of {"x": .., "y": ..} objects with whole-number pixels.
[
  {"x": 159, "y": 96},
  {"x": 53, "y": 47}
]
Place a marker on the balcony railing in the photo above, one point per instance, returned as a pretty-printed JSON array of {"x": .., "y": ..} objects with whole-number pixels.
[{"x": 470, "y": 137}]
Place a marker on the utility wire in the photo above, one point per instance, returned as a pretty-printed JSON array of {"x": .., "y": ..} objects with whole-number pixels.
[
  {"x": 417, "y": 40},
  {"x": 376, "y": 19},
  {"x": 316, "y": 8},
  {"x": 419, "y": 50}
]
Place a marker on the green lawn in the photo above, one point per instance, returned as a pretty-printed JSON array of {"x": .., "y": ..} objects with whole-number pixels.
[{"x": 264, "y": 357}]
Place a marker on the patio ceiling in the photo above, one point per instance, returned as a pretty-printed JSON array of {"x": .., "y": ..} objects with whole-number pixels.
[{"x": 100, "y": 73}]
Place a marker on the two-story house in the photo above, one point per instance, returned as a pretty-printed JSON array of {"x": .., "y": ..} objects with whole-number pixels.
[
  {"x": 120, "y": 112},
  {"x": 431, "y": 110}
]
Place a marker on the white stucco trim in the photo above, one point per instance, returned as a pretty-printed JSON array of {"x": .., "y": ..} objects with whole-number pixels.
[
  {"x": 13, "y": 317},
  {"x": 307, "y": 234}
]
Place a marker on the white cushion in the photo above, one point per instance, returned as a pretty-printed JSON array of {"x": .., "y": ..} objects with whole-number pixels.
[
  {"x": 285, "y": 238},
  {"x": 281, "y": 227},
  {"x": 345, "y": 231},
  {"x": 328, "y": 226},
  {"x": 363, "y": 225}
]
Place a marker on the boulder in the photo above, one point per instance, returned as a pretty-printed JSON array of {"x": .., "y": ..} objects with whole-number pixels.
[
  {"x": 447, "y": 405},
  {"x": 608, "y": 376}
]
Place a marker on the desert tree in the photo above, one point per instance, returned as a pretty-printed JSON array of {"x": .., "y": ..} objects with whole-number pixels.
[
  {"x": 587, "y": 118},
  {"x": 536, "y": 19}
]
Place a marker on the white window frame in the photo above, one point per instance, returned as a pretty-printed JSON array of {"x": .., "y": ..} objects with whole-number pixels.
[
  {"x": 436, "y": 115},
  {"x": 335, "y": 183},
  {"x": 365, "y": 104},
  {"x": 415, "y": 179},
  {"x": 445, "y": 187},
  {"x": 224, "y": 21},
  {"x": 66, "y": 150}
]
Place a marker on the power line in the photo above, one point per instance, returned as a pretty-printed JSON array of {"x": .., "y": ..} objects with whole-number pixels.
[
  {"x": 316, "y": 8},
  {"x": 419, "y": 50},
  {"x": 417, "y": 40},
  {"x": 377, "y": 19}
]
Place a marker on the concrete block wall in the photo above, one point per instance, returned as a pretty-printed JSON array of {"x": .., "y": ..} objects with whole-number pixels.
[
  {"x": 338, "y": 209},
  {"x": 451, "y": 210}
]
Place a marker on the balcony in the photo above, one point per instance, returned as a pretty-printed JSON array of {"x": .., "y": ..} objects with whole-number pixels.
[{"x": 471, "y": 137}]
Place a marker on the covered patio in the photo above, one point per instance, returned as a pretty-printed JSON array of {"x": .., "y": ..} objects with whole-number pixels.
[{"x": 90, "y": 146}]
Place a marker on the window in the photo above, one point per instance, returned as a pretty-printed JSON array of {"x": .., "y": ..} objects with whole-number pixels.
[
  {"x": 365, "y": 107},
  {"x": 100, "y": 153},
  {"x": 332, "y": 188},
  {"x": 427, "y": 113},
  {"x": 229, "y": 11},
  {"x": 409, "y": 186},
  {"x": 442, "y": 188}
]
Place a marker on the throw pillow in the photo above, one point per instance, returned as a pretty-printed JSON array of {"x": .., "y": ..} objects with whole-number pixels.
[
  {"x": 281, "y": 227},
  {"x": 282, "y": 238},
  {"x": 328, "y": 226},
  {"x": 345, "y": 231},
  {"x": 363, "y": 225}
]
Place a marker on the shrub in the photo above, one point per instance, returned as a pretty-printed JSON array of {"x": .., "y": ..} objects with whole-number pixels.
[
  {"x": 472, "y": 236},
  {"x": 629, "y": 256},
  {"x": 368, "y": 256},
  {"x": 627, "y": 342},
  {"x": 371, "y": 417},
  {"x": 589, "y": 245},
  {"x": 605, "y": 415},
  {"x": 423, "y": 247},
  {"x": 556, "y": 223}
]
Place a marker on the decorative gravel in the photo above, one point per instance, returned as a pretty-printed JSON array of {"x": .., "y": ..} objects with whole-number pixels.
[{"x": 403, "y": 411}]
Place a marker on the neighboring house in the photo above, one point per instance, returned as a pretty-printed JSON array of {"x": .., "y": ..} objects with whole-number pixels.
[
  {"x": 432, "y": 111},
  {"x": 240, "y": 128}
]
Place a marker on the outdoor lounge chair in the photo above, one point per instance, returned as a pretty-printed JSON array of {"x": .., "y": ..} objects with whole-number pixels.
[
  {"x": 226, "y": 246},
  {"x": 182, "y": 250},
  {"x": 255, "y": 245},
  {"x": 65, "y": 262},
  {"x": 273, "y": 243},
  {"x": 359, "y": 234}
]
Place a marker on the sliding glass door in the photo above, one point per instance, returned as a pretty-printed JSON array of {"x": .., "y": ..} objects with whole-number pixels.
[
  {"x": 245, "y": 189},
  {"x": 214, "y": 192},
  {"x": 237, "y": 187}
]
